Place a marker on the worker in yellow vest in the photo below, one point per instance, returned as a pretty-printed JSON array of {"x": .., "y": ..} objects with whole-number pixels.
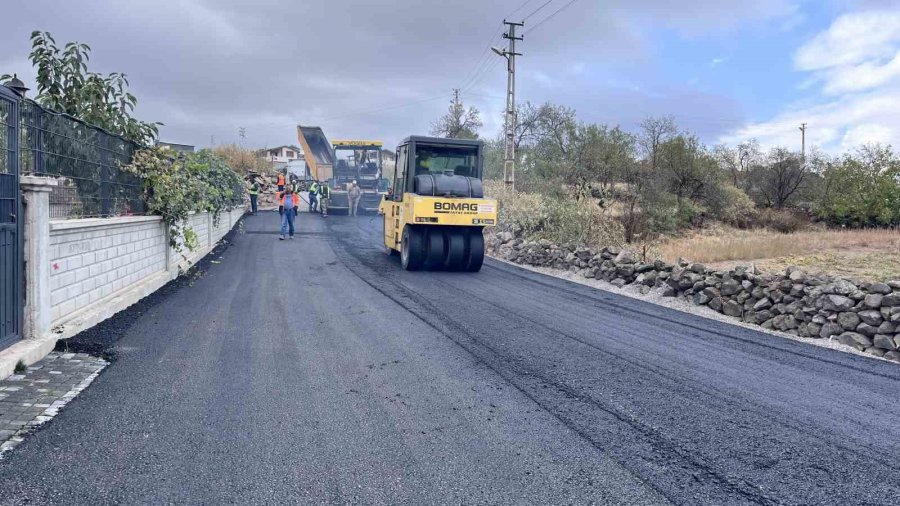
[{"x": 313, "y": 197}]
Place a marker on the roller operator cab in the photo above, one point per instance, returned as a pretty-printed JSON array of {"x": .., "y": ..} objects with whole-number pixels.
[{"x": 435, "y": 211}]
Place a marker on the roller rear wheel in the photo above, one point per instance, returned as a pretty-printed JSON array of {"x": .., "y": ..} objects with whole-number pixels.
[
  {"x": 412, "y": 248},
  {"x": 454, "y": 249},
  {"x": 434, "y": 258},
  {"x": 474, "y": 250}
]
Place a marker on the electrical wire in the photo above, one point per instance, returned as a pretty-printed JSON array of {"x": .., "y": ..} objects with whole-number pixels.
[
  {"x": 484, "y": 52},
  {"x": 386, "y": 108},
  {"x": 490, "y": 64},
  {"x": 483, "y": 75},
  {"x": 548, "y": 18},
  {"x": 481, "y": 61},
  {"x": 518, "y": 8},
  {"x": 548, "y": 2}
]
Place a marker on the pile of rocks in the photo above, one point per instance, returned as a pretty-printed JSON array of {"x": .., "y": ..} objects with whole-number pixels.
[
  {"x": 864, "y": 315},
  {"x": 267, "y": 190}
]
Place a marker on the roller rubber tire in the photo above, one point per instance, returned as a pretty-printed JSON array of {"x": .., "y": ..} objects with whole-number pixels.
[
  {"x": 454, "y": 249},
  {"x": 434, "y": 248},
  {"x": 412, "y": 248},
  {"x": 474, "y": 251}
]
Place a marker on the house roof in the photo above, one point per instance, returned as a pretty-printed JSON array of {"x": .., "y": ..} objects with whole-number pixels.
[{"x": 278, "y": 148}]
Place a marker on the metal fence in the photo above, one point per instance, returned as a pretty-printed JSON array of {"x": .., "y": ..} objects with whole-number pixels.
[{"x": 86, "y": 160}]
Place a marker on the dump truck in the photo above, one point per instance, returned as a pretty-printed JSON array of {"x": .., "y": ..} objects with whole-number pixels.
[
  {"x": 360, "y": 161},
  {"x": 436, "y": 210},
  {"x": 320, "y": 160}
]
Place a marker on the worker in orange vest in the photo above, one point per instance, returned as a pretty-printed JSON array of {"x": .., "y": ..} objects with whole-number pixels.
[
  {"x": 280, "y": 182},
  {"x": 288, "y": 202}
]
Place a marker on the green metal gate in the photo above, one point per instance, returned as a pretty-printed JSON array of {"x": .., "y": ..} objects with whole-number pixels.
[{"x": 11, "y": 290}]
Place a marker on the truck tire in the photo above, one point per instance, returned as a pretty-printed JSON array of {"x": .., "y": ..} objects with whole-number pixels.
[
  {"x": 412, "y": 248},
  {"x": 434, "y": 247},
  {"x": 475, "y": 250},
  {"x": 454, "y": 249}
]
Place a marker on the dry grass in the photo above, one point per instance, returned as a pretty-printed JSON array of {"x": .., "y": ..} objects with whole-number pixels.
[{"x": 872, "y": 254}]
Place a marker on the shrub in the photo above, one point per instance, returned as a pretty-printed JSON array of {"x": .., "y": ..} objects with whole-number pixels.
[
  {"x": 863, "y": 189},
  {"x": 176, "y": 187},
  {"x": 784, "y": 220},
  {"x": 740, "y": 211},
  {"x": 560, "y": 220}
]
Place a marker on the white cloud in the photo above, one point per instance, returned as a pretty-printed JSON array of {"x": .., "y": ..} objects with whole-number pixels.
[
  {"x": 715, "y": 62},
  {"x": 851, "y": 39},
  {"x": 855, "y": 63},
  {"x": 867, "y": 133},
  {"x": 865, "y": 76}
]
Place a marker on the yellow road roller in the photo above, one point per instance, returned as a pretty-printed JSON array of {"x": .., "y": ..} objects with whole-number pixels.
[{"x": 435, "y": 211}]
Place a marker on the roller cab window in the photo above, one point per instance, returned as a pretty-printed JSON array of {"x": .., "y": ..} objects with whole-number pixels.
[{"x": 448, "y": 161}]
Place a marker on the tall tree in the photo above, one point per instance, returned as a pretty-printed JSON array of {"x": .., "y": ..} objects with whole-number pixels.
[
  {"x": 459, "y": 122},
  {"x": 862, "y": 188},
  {"x": 65, "y": 85},
  {"x": 738, "y": 160},
  {"x": 654, "y": 132},
  {"x": 780, "y": 178},
  {"x": 686, "y": 167}
]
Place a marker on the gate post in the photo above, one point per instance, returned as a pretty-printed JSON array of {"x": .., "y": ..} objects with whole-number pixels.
[{"x": 36, "y": 192}]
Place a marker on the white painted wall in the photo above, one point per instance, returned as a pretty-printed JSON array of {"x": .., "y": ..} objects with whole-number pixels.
[
  {"x": 95, "y": 259},
  {"x": 81, "y": 272}
]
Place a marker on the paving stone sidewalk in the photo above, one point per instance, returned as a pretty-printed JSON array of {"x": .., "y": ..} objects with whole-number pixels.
[{"x": 30, "y": 399}]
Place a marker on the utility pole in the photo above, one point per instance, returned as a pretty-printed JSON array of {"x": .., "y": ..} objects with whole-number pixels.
[
  {"x": 509, "y": 161},
  {"x": 242, "y": 132},
  {"x": 803, "y": 141},
  {"x": 212, "y": 141}
]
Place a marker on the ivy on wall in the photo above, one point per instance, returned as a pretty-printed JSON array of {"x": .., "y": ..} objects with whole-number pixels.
[{"x": 176, "y": 186}]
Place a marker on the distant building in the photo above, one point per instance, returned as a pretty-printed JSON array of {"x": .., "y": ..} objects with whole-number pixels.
[
  {"x": 181, "y": 148},
  {"x": 281, "y": 155},
  {"x": 298, "y": 168}
]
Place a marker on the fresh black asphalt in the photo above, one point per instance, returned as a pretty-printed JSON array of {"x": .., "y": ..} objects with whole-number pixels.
[{"x": 317, "y": 371}]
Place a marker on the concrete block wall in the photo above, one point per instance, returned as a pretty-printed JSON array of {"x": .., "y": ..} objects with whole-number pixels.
[
  {"x": 200, "y": 222},
  {"x": 81, "y": 272},
  {"x": 92, "y": 258}
]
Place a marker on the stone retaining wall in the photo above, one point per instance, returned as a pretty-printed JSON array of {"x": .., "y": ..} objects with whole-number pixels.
[{"x": 864, "y": 315}]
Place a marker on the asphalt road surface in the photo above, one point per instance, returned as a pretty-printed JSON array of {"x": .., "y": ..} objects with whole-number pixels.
[{"x": 316, "y": 371}]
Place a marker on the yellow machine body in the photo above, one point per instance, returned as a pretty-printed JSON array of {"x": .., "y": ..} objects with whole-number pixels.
[
  {"x": 436, "y": 211},
  {"x": 423, "y": 210}
]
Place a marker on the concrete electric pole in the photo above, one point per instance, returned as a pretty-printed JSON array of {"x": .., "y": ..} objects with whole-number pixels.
[
  {"x": 509, "y": 161},
  {"x": 803, "y": 141}
]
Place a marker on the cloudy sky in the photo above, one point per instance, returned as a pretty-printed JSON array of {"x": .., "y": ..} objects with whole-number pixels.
[{"x": 726, "y": 69}]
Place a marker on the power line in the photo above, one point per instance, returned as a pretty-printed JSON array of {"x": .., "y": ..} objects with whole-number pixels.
[
  {"x": 484, "y": 58},
  {"x": 487, "y": 72},
  {"x": 382, "y": 109},
  {"x": 548, "y": 18},
  {"x": 519, "y": 8},
  {"x": 548, "y": 2}
]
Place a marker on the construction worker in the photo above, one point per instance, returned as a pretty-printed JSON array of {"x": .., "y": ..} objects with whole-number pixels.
[
  {"x": 280, "y": 182},
  {"x": 313, "y": 196},
  {"x": 423, "y": 163},
  {"x": 287, "y": 206},
  {"x": 324, "y": 195},
  {"x": 254, "y": 194},
  {"x": 354, "y": 194}
]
